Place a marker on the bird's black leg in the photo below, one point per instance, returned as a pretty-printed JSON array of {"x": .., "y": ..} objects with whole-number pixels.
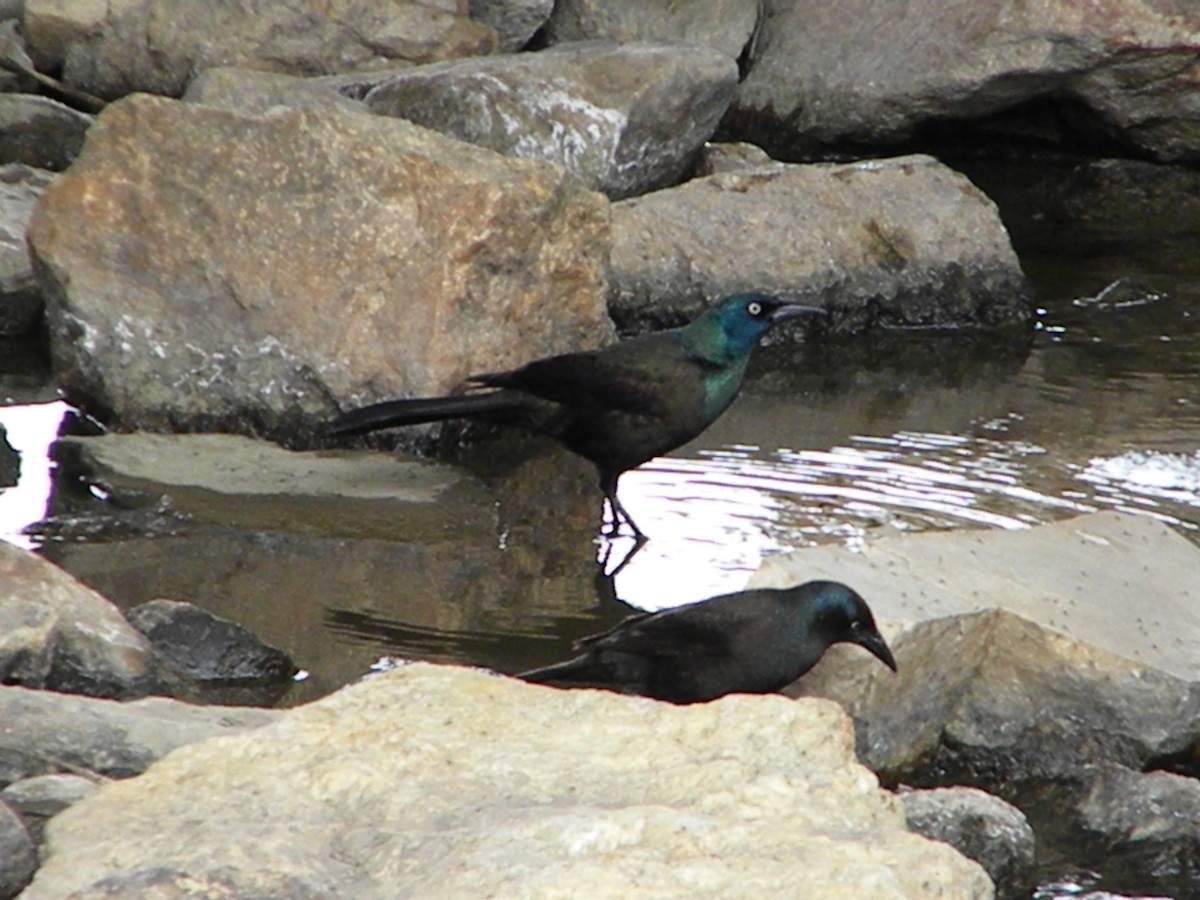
[{"x": 608, "y": 484}]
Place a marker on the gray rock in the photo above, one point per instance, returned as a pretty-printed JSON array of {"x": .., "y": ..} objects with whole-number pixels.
[
  {"x": 20, "y": 299},
  {"x": 731, "y": 157},
  {"x": 1013, "y": 671},
  {"x": 46, "y": 732},
  {"x": 41, "y": 797},
  {"x": 1144, "y": 824},
  {"x": 253, "y": 93},
  {"x": 52, "y": 26},
  {"x": 157, "y": 46},
  {"x": 904, "y": 241},
  {"x": 515, "y": 21},
  {"x": 47, "y": 795},
  {"x": 18, "y": 858},
  {"x": 724, "y": 25},
  {"x": 625, "y": 119},
  {"x": 10, "y": 461},
  {"x": 206, "y": 647},
  {"x": 822, "y": 75},
  {"x": 40, "y": 132},
  {"x": 432, "y": 780},
  {"x": 58, "y": 634},
  {"x": 383, "y": 260},
  {"x": 981, "y": 827}
]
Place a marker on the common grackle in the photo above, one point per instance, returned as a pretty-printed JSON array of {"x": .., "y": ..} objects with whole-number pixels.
[
  {"x": 751, "y": 642},
  {"x": 618, "y": 406}
]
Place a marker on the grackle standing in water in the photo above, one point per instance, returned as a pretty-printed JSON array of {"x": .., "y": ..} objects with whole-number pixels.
[
  {"x": 618, "y": 406},
  {"x": 751, "y": 642}
]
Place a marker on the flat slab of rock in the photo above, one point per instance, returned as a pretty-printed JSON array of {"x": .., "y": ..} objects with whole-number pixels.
[
  {"x": 624, "y": 118},
  {"x": 209, "y": 271},
  {"x": 437, "y": 781},
  {"x": 240, "y": 482},
  {"x": 903, "y": 242},
  {"x": 1126, "y": 584}
]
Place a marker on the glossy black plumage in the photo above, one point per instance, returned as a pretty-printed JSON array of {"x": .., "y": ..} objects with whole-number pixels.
[
  {"x": 617, "y": 407},
  {"x": 750, "y": 642}
]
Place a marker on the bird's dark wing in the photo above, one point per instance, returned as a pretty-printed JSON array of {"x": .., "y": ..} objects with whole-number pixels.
[
  {"x": 679, "y": 632},
  {"x": 625, "y": 377}
]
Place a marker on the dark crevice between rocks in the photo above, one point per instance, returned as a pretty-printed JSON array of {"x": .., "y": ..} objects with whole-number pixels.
[{"x": 1060, "y": 124}]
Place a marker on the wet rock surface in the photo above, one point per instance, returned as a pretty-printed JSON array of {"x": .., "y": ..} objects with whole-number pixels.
[
  {"x": 896, "y": 242},
  {"x": 625, "y": 119},
  {"x": 435, "y": 779},
  {"x": 1141, "y": 822},
  {"x": 208, "y": 648},
  {"x": 981, "y": 827}
]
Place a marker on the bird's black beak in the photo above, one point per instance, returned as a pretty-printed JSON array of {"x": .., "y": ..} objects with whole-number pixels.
[
  {"x": 874, "y": 642},
  {"x": 794, "y": 310}
]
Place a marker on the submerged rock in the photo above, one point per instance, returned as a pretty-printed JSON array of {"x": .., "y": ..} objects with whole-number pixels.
[{"x": 431, "y": 779}]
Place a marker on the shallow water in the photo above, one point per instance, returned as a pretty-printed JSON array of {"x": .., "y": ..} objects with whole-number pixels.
[{"x": 1095, "y": 406}]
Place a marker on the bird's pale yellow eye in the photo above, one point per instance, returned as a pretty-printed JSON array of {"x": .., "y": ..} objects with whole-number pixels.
[{"x": 754, "y": 308}]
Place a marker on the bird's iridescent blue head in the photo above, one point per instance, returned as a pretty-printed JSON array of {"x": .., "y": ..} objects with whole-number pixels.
[
  {"x": 842, "y": 615},
  {"x": 738, "y": 321}
]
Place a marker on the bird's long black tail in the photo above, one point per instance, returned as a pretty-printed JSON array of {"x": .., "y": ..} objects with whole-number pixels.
[
  {"x": 573, "y": 670},
  {"x": 392, "y": 413}
]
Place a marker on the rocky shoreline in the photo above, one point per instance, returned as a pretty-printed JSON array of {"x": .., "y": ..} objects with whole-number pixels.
[{"x": 288, "y": 211}]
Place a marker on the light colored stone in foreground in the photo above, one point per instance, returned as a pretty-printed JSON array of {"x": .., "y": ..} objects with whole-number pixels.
[{"x": 433, "y": 781}]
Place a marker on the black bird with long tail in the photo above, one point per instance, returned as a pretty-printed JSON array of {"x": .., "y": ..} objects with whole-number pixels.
[
  {"x": 751, "y": 642},
  {"x": 619, "y": 406}
]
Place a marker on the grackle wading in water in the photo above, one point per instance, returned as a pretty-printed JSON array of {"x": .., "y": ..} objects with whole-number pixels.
[
  {"x": 751, "y": 642},
  {"x": 619, "y": 406}
]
